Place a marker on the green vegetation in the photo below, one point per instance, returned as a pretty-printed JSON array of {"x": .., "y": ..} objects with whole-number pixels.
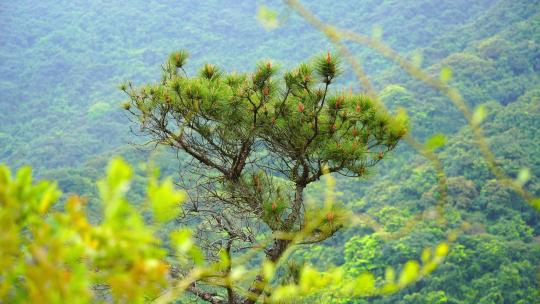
[
  {"x": 60, "y": 112},
  {"x": 58, "y": 256},
  {"x": 257, "y": 141}
]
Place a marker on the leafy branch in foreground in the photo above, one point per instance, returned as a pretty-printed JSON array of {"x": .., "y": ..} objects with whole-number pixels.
[
  {"x": 57, "y": 256},
  {"x": 50, "y": 256}
]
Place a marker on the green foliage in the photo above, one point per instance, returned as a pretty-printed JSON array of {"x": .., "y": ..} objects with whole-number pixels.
[
  {"x": 58, "y": 256},
  {"x": 435, "y": 141},
  {"x": 224, "y": 121},
  {"x": 267, "y": 17},
  {"x": 164, "y": 199},
  {"x": 57, "y": 61}
]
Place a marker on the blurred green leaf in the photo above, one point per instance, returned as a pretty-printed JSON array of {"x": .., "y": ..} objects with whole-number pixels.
[
  {"x": 267, "y": 17},
  {"x": 435, "y": 141},
  {"x": 237, "y": 272},
  {"x": 446, "y": 74},
  {"x": 268, "y": 270},
  {"x": 441, "y": 250},
  {"x": 409, "y": 273},
  {"x": 116, "y": 183},
  {"x": 536, "y": 203},
  {"x": 479, "y": 115},
  {"x": 524, "y": 176},
  {"x": 164, "y": 199},
  {"x": 284, "y": 293},
  {"x": 365, "y": 284},
  {"x": 182, "y": 240},
  {"x": 426, "y": 255},
  {"x": 389, "y": 275}
]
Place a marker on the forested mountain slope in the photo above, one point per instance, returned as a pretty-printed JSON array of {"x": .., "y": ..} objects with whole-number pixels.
[{"x": 61, "y": 62}]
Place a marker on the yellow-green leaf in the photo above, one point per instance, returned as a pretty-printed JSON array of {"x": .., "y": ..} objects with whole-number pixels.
[
  {"x": 50, "y": 195},
  {"x": 409, "y": 273},
  {"x": 479, "y": 115},
  {"x": 267, "y": 17},
  {"x": 389, "y": 275},
  {"x": 365, "y": 284},
  {"x": 182, "y": 240},
  {"x": 536, "y": 203},
  {"x": 446, "y": 74},
  {"x": 285, "y": 293},
  {"x": 268, "y": 270},
  {"x": 165, "y": 200},
  {"x": 308, "y": 278},
  {"x": 426, "y": 255},
  {"x": 237, "y": 273},
  {"x": 441, "y": 250},
  {"x": 523, "y": 176},
  {"x": 436, "y": 141},
  {"x": 116, "y": 183}
]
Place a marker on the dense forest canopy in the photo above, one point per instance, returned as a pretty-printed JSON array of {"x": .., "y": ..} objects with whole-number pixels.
[{"x": 61, "y": 63}]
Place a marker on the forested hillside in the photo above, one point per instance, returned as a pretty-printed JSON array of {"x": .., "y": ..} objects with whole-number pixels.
[
  {"x": 61, "y": 63},
  {"x": 72, "y": 55}
]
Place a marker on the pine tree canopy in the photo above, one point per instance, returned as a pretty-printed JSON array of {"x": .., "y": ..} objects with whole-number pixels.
[
  {"x": 221, "y": 119},
  {"x": 257, "y": 140}
]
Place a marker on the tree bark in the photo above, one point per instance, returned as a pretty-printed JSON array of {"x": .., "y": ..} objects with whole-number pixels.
[{"x": 259, "y": 284}]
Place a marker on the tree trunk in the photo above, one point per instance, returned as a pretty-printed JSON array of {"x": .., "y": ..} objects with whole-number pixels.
[{"x": 259, "y": 284}]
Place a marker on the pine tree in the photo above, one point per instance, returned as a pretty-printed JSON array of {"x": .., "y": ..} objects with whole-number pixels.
[{"x": 256, "y": 142}]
